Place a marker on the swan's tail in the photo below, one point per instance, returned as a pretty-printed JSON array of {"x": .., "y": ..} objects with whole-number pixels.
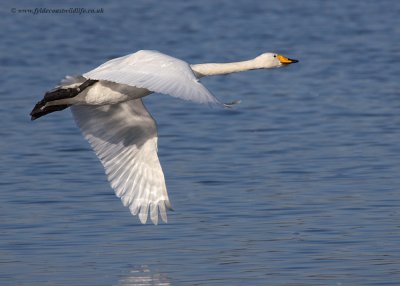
[{"x": 44, "y": 106}]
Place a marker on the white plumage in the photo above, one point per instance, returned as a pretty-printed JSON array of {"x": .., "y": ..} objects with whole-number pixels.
[
  {"x": 124, "y": 137},
  {"x": 156, "y": 72},
  {"x": 112, "y": 117}
]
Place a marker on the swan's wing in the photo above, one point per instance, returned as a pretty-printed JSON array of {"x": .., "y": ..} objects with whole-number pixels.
[
  {"x": 156, "y": 72},
  {"x": 124, "y": 137}
]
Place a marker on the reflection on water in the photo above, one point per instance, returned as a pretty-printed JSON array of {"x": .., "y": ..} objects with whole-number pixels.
[{"x": 141, "y": 275}]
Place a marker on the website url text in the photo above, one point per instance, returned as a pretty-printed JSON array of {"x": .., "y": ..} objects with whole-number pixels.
[{"x": 37, "y": 11}]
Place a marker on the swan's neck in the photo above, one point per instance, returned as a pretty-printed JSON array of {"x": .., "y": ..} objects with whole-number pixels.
[{"x": 225, "y": 68}]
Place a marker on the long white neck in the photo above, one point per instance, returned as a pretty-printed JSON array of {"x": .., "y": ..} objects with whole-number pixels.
[{"x": 202, "y": 70}]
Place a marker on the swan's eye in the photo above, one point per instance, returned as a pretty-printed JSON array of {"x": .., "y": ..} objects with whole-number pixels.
[{"x": 274, "y": 56}]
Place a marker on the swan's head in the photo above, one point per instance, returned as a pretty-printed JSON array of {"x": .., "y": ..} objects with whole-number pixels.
[{"x": 273, "y": 60}]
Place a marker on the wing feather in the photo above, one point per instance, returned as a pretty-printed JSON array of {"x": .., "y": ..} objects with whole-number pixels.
[
  {"x": 124, "y": 137},
  {"x": 156, "y": 72}
]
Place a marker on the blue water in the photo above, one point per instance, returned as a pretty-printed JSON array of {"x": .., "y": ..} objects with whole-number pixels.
[{"x": 298, "y": 185}]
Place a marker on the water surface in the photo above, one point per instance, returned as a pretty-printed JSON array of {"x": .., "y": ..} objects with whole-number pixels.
[{"x": 298, "y": 185}]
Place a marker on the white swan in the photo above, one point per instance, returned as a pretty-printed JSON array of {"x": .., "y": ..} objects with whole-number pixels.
[{"x": 107, "y": 106}]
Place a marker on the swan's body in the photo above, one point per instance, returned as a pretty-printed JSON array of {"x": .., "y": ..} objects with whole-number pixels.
[{"x": 106, "y": 104}]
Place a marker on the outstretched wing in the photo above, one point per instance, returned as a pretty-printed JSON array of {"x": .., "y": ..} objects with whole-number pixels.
[
  {"x": 124, "y": 137},
  {"x": 156, "y": 72}
]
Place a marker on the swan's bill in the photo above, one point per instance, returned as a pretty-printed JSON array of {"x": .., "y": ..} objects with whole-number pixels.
[{"x": 284, "y": 60}]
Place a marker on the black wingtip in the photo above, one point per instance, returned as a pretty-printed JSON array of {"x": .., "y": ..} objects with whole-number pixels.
[
  {"x": 39, "y": 110},
  {"x": 35, "y": 113}
]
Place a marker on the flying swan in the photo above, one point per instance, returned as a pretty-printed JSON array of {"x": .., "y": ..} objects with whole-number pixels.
[{"x": 106, "y": 104}]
